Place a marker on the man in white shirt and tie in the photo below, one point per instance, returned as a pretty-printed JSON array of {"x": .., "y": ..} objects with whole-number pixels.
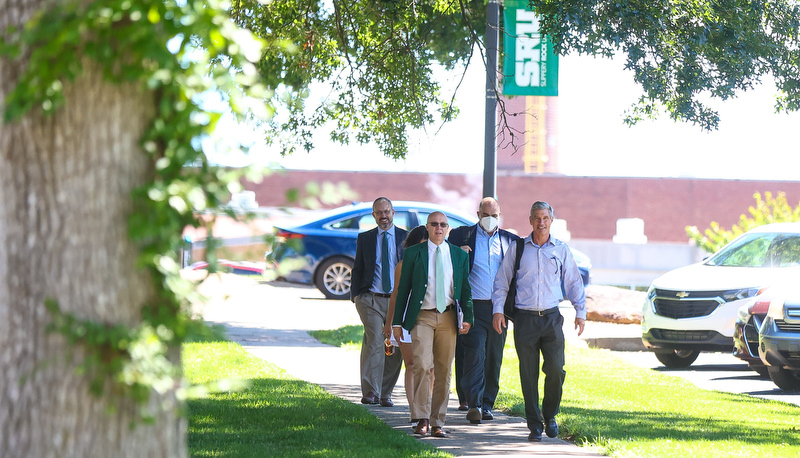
[
  {"x": 377, "y": 253},
  {"x": 434, "y": 281}
]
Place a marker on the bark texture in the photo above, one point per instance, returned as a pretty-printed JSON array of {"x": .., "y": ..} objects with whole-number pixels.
[{"x": 65, "y": 183}]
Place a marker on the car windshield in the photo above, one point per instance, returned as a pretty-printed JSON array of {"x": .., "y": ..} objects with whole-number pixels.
[{"x": 760, "y": 250}]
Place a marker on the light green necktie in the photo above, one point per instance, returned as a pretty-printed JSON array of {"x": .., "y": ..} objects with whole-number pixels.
[{"x": 440, "y": 300}]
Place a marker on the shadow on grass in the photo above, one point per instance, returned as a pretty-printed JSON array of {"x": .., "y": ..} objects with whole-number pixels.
[
  {"x": 289, "y": 418},
  {"x": 762, "y": 424}
]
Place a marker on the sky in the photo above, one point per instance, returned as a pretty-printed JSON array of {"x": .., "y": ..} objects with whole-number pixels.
[{"x": 752, "y": 142}]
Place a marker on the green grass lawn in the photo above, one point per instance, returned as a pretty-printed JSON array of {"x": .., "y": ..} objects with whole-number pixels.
[
  {"x": 623, "y": 410},
  {"x": 279, "y": 416}
]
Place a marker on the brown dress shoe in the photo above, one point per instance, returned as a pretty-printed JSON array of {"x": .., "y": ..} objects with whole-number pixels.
[
  {"x": 422, "y": 427},
  {"x": 370, "y": 398},
  {"x": 387, "y": 402},
  {"x": 438, "y": 431}
]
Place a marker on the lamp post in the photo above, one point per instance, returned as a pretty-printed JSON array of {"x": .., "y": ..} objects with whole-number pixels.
[{"x": 490, "y": 133}]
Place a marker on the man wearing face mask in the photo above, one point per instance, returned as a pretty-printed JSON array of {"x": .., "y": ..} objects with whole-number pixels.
[{"x": 479, "y": 354}]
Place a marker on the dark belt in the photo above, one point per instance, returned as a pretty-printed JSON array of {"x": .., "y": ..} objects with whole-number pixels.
[
  {"x": 446, "y": 309},
  {"x": 481, "y": 302},
  {"x": 538, "y": 312},
  {"x": 381, "y": 294}
]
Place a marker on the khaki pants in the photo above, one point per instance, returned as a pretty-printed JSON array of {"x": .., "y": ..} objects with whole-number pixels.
[
  {"x": 433, "y": 342},
  {"x": 379, "y": 373}
]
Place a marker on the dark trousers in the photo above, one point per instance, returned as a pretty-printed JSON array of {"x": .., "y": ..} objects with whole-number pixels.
[
  {"x": 545, "y": 334},
  {"x": 482, "y": 350}
]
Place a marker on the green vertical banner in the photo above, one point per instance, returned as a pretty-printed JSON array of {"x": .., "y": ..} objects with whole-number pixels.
[{"x": 530, "y": 66}]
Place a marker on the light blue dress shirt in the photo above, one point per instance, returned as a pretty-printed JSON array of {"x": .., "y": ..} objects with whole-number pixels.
[
  {"x": 541, "y": 271},
  {"x": 486, "y": 262},
  {"x": 377, "y": 280}
]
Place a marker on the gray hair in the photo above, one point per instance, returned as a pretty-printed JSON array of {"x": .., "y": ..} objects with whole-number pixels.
[{"x": 541, "y": 205}]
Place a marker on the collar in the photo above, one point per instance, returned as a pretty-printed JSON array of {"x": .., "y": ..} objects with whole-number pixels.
[
  {"x": 550, "y": 240},
  {"x": 483, "y": 232}
]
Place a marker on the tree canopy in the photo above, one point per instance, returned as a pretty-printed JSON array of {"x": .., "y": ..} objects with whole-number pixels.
[
  {"x": 684, "y": 53},
  {"x": 375, "y": 56},
  {"x": 378, "y": 56}
]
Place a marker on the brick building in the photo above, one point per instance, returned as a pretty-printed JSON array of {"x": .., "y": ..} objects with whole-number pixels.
[{"x": 591, "y": 206}]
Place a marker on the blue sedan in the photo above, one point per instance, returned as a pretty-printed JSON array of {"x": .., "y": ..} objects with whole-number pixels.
[{"x": 322, "y": 251}]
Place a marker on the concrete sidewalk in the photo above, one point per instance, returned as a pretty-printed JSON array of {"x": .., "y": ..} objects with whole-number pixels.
[{"x": 271, "y": 322}]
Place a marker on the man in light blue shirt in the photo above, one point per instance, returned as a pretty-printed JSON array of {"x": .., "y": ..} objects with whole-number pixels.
[
  {"x": 479, "y": 354},
  {"x": 545, "y": 264}
]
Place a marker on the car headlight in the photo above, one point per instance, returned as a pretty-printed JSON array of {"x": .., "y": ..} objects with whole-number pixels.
[
  {"x": 743, "y": 313},
  {"x": 776, "y": 309},
  {"x": 651, "y": 297},
  {"x": 739, "y": 294}
]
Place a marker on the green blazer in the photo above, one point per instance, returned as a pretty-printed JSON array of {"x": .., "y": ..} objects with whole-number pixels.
[{"x": 414, "y": 282}]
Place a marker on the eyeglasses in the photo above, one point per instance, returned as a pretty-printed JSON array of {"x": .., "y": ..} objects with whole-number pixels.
[{"x": 437, "y": 224}]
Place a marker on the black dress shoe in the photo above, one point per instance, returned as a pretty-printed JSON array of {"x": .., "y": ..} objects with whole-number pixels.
[
  {"x": 487, "y": 414},
  {"x": 535, "y": 436},
  {"x": 422, "y": 427},
  {"x": 463, "y": 407},
  {"x": 371, "y": 399},
  {"x": 474, "y": 415},
  {"x": 551, "y": 428}
]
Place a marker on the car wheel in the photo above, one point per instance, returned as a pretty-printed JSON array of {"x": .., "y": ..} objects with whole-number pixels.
[
  {"x": 333, "y": 277},
  {"x": 785, "y": 379},
  {"x": 760, "y": 368},
  {"x": 678, "y": 359}
]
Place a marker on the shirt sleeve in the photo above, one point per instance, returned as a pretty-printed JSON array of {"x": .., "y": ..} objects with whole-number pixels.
[{"x": 573, "y": 284}]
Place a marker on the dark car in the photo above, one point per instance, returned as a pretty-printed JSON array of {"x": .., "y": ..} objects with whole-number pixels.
[
  {"x": 322, "y": 251},
  {"x": 746, "y": 331},
  {"x": 779, "y": 337}
]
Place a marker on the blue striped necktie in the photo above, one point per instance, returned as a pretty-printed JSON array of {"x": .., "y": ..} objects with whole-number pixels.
[{"x": 386, "y": 282}]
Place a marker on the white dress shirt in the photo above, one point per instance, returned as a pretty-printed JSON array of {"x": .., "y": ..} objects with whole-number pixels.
[{"x": 429, "y": 303}]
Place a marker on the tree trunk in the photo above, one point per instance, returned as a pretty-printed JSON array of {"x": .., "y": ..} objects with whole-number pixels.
[{"x": 65, "y": 183}]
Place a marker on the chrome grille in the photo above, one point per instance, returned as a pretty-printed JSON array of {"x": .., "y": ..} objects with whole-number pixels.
[
  {"x": 751, "y": 333},
  {"x": 787, "y": 327},
  {"x": 668, "y": 293},
  {"x": 673, "y": 308}
]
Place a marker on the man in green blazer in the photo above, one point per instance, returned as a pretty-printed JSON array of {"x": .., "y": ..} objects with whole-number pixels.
[{"x": 434, "y": 284}]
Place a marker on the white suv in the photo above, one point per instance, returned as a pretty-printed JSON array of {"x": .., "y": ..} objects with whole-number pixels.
[{"x": 694, "y": 308}]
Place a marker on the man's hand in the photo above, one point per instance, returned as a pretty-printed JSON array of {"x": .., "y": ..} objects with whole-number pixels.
[
  {"x": 466, "y": 248},
  {"x": 398, "y": 333},
  {"x": 579, "y": 323},
  {"x": 465, "y": 329},
  {"x": 499, "y": 322}
]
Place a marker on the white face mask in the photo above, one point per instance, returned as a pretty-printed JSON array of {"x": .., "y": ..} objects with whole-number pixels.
[{"x": 489, "y": 223}]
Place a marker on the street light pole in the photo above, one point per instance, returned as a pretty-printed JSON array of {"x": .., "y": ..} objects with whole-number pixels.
[{"x": 490, "y": 132}]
